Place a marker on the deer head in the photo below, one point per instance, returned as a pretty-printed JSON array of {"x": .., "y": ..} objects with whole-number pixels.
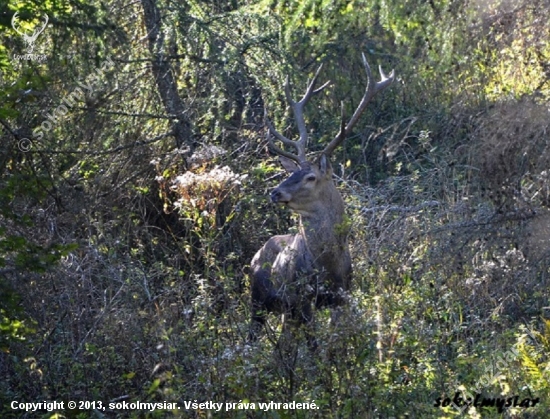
[
  {"x": 301, "y": 190},
  {"x": 29, "y": 39},
  {"x": 310, "y": 178}
]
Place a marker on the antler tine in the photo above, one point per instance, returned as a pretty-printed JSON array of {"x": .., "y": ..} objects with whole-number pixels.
[
  {"x": 37, "y": 31},
  {"x": 271, "y": 131},
  {"x": 371, "y": 90},
  {"x": 14, "y": 24},
  {"x": 298, "y": 110},
  {"x": 280, "y": 151}
]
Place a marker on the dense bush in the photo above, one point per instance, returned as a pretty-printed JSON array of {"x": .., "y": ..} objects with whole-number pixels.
[{"x": 128, "y": 220}]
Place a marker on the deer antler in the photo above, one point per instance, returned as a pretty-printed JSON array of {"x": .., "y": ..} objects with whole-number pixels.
[
  {"x": 14, "y": 24},
  {"x": 29, "y": 39},
  {"x": 371, "y": 90},
  {"x": 298, "y": 109}
]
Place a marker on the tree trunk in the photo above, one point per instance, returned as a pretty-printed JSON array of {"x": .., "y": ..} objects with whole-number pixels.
[{"x": 164, "y": 76}]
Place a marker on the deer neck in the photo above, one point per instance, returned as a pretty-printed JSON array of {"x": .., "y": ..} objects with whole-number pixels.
[{"x": 323, "y": 226}]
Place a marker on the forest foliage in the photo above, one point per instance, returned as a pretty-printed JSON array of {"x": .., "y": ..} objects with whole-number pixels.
[{"x": 134, "y": 185}]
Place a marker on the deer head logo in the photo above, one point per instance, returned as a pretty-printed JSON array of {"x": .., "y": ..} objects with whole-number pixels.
[{"x": 29, "y": 39}]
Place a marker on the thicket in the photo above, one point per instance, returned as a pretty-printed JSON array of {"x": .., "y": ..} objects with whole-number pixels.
[{"x": 128, "y": 217}]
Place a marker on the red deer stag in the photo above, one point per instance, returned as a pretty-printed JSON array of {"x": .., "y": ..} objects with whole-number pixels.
[{"x": 292, "y": 271}]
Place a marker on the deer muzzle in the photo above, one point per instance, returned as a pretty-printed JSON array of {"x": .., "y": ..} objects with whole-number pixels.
[{"x": 279, "y": 197}]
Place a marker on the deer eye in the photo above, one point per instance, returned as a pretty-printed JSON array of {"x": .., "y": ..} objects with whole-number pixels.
[{"x": 310, "y": 178}]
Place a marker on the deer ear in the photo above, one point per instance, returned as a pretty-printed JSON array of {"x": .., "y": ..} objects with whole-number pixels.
[
  {"x": 324, "y": 164},
  {"x": 288, "y": 164}
]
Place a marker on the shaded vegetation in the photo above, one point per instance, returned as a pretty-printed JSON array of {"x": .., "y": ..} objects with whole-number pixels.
[{"x": 131, "y": 204}]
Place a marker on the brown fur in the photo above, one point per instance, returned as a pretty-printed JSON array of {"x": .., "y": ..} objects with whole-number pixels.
[{"x": 292, "y": 271}]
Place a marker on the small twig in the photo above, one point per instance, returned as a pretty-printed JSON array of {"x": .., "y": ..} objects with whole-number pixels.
[
  {"x": 50, "y": 333},
  {"x": 108, "y": 305},
  {"x": 397, "y": 208}
]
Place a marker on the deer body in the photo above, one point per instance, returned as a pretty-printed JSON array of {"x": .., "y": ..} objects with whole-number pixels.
[
  {"x": 313, "y": 265},
  {"x": 322, "y": 240},
  {"x": 292, "y": 272}
]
